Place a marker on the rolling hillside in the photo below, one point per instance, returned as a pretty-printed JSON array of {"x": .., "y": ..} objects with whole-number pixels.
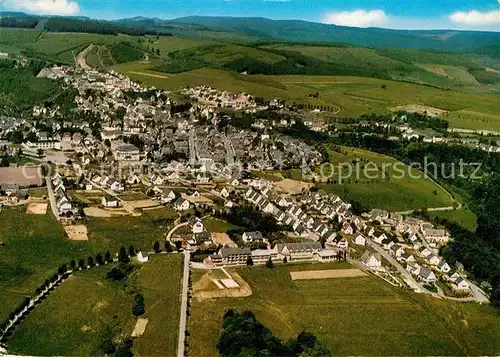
[
  {"x": 253, "y": 30},
  {"x": 303, "y": 31}
]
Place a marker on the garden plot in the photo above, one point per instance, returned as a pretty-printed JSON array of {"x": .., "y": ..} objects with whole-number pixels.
[
  {"x": 140, "y": 327},
  {"x": 77, "y": 232}
]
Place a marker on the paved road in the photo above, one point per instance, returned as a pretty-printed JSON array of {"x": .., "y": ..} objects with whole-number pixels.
[
  {"x": 478, "y": 295},
  {"x": 184, "y": 300},
  {"x": 192, "y": 147},
  {"x": 52, "y": 199},
  {"x": 409, "y": 278},
  {"x": 229, "y": 150},
  {"x": 169, "y": 234}
]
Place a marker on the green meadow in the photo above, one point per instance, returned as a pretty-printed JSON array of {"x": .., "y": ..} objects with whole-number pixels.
[
  {"x": 375, "y": 181},
  {"x": 87, "y": 308},
  {"x": 351, "y": 316},
  {"x": 35, "y": 247}
]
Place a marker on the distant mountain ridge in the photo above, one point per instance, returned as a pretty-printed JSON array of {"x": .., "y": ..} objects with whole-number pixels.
[
  {"x": 259, "y": 29},
  {"x": 304, "y": 31}
]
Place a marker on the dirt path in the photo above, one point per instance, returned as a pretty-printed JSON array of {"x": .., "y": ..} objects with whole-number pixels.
[
  {"x": 326, "y": 274},
  {"x": 148, "y": 74},
  {"x": 80, "y": 58}
]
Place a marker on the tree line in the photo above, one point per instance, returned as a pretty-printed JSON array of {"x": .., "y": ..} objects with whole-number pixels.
[{"x": 243, "y": 335}]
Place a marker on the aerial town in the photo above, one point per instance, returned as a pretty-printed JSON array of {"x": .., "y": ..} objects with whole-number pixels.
[
  {"x": 178, "y": 156},
  {"x": 132, "y": 150}
]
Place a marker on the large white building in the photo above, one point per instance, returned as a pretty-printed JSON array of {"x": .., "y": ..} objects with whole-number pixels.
[{"x": 126, "y": 152}]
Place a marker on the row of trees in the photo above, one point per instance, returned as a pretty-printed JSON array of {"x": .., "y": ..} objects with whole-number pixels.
[{"x": 66, "y": 24}]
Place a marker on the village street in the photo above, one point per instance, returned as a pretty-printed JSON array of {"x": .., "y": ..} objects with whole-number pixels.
[
  {"x": 409, "y": 278},
  {"x": 52, "y": 199}
]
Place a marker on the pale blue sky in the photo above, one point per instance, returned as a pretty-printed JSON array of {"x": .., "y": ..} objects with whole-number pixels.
[{"x": 411, "y": 14}]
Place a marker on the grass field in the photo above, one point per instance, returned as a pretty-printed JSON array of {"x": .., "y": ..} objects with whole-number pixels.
[
  {"x": 37, "y": 192},
  {"x": 464, "y": 217},
  {"x": 354, "y": 316},
  {"x": 371, "y": 189},
  {"x": 160, "y": 213},
  {"x": 113, "y": 233},
  {"x": 217, "y": 225},
  {"x": 160, "y": 283},
  {"x": 75, "y": 319},
  {"x": 35, "y": 246}
]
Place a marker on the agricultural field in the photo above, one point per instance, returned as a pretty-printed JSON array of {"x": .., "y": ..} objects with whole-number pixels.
[
  {"x": 347, "y": 316},
  {"x": 170, "y": 44},
  {"x": 367, "y": 184},
  {"x": 456, "y": 73},
  {"x": 88, "y": 308},
  {"x": 35, "y": 247},
  {"x": 446, "y": 71},
  {"x": 352, "y": 96},
  {"x": 160, "y": 284},
  {"x": 99, "y": 57},
  {"x": 60, "y": 47}
]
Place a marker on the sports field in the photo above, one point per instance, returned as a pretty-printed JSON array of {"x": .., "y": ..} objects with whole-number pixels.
[{"x": 352, "y": 316}]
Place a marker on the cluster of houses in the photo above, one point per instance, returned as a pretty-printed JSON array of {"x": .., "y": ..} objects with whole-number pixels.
[
  {"x": 417, "y": 249},
  {"x": 63, "y": 203},
  {"x": 104, "y": 181},
  {"x": 200, "y": 236},
  {"x": 218, "y": 98},
  {"x": 414, "y": 243},
  {"x": 400, "y": 129}
]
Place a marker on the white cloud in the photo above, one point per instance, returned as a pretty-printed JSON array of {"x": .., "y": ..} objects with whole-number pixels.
[
  {"x": 476, "y": 18},
  {"x": 44, "y": 7},
  {"x": 357, "y": 18}
]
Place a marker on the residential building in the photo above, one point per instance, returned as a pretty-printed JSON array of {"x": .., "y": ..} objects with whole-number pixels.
[
  {"x": 142, "y": 257},
  {"x": 109, "y": 201},
  {"x": 249, "y": 237},
  {"x": 372, "y": 260}
]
